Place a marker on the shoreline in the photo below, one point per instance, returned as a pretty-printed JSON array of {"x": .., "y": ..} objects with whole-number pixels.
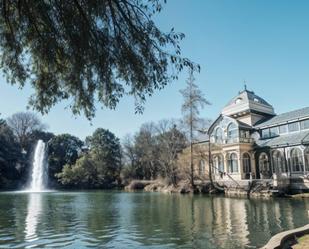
[
  {"x": 287, "y": 238},
  {"x": 184, "y": 187}
]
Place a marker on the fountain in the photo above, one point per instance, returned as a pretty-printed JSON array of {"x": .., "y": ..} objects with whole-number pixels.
[{"x": 39, "y": 169}]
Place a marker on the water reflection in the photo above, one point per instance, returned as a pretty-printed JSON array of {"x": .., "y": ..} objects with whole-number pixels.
[
  {"x": 34, "y": 210},
  {"x": 143, "y": 220}
]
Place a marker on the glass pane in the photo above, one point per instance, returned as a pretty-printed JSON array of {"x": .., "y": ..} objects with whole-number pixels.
[
  {"x": 219, "y": 135},
  {"x": 304, "y": 125},
  {"x": 232, "y": 131},
  {"x": 297, "y": 160},
  {"x": 274, "y": 131},
  {"x": 294, "y": 127},
  {"x": 283, "y": 129},
  {"x": 247, "y": 134},
  {"x": 265, "y": 133}
]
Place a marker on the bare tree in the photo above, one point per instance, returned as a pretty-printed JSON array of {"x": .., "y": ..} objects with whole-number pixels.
[
  {"x": 128, "y": 149},
  {"x": 153, "y": 151},
  {"x": 23, "y": 124},
  {"x": 171, "y": 141},
  {"x": 146, "y": 149},
  {"x": 193, "y": 100},
  {"x": 130, "y": 169}
]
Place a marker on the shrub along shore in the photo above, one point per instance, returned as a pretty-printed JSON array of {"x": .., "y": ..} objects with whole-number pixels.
[{"x": 161, "y": 185}]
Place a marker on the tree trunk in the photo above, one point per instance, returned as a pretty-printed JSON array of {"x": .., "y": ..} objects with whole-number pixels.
[
  {"x": 191, "y": 140},
  {"x": 191, "y": 165}
]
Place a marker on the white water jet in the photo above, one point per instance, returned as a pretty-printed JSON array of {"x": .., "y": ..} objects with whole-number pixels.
[{"x": 39, "y": 169}]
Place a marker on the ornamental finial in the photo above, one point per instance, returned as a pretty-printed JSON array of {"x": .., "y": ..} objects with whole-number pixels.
[{"x": 245, "y": 85}]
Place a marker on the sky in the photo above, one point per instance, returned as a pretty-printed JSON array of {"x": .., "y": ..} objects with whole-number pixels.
[{"x": 262, "y": 42}]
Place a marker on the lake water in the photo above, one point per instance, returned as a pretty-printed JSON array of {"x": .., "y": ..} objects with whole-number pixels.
[{"x": 142, "y": 220}]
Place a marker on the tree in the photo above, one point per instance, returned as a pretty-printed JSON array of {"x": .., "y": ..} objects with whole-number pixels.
[
  {"x": 106, "y": 152},
  {"x": 100, "y": 167},
  {"x": 171, "y": 141},
  {"x": 146, "y": 149},
  {"x": 10, "y": 155},
  {"x": 131, "y": 168},
  {"x": 23, "y": 124},
  {"x": 82, "y": 174},
  {"x": 62, "y": 149},
  {"x": 193, "y": 100},
  {"x": 88, "y": 51},
  {"x": 153, "y": 151}
]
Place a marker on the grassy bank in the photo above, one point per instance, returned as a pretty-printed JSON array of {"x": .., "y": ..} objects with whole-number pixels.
[{"x": 302, "y": 243}]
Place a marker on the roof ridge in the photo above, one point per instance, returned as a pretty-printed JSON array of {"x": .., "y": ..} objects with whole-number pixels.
[
  {"x": 303, "y": 108},
  {"x": 284, "y": 117}
]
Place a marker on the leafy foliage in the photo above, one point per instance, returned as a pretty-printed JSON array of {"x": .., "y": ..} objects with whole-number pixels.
[
  {"x": 82, "y": 175},
  {"x": 98, "y": 168},
  {"x": 105, "y": 149},
  {"x": 10, "y": 155},
  {"x": 62, "y": 149},
  {"x": 88, "y": 51}
]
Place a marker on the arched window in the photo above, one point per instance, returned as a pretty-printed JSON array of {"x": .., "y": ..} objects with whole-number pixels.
[
  {"x": 219, "y": 163},
  {"x": 219, "y": 136},
  {"x": 232, "y": 131},
  {"x": 238, "y": 100},
  {"x": 264, "y": 165},
  {"x": 278, "y": 162},
  {"x": 307, "y": 158},
  {"x": 297, "y": 162},
  {"x": 233, "y": 163},
  {"x": 202, "y": 168},
  {"x": 246, "y": 164}
]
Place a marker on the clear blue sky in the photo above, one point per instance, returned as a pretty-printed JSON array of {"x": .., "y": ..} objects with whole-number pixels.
[{"x": 264, "y": 42}]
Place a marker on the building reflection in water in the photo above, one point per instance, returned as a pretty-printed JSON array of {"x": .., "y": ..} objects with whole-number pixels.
[
  {"x": 240, "y": 223},
  {"x": 34, "y": 210},
  {"x": 230, "y": 222}
]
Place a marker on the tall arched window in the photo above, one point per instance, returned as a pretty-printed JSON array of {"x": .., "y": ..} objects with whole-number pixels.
[
  {"x": 232, "y": 131},
  {"x": 307, "y": 158},
  {"x": 278, "y": 162},
  {"x": 219, "y": 163},
  {"x": 297, "y": 162},
  {"x": 264, "y": 166},
  {"x": 233, "y": 163},
  {"x": 246, "y": 164},
  {"x": 219, "y": 136},
  {"x": 202, "y": 168}
]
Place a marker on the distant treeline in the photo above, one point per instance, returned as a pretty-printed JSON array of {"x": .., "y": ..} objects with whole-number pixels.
[{"x": 101, "y": 161}]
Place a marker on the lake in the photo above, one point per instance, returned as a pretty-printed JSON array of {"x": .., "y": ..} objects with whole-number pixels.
[{"x": 111, "y": 219}]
